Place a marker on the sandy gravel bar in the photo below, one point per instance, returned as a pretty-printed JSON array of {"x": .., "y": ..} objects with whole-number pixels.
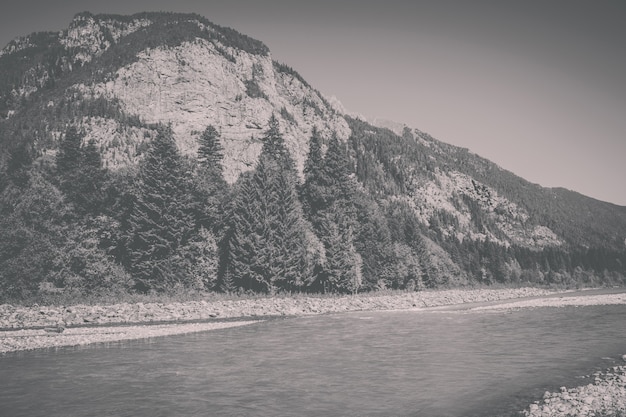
[
  {"x": 23, "y": 327},
  {"x": 21, "y": 317},
  {"x": 559, "y": 301},
  {"x": 11, "y": 341}
]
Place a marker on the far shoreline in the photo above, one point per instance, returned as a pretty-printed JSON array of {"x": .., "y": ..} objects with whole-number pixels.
[{"x": 33, "y": 327}]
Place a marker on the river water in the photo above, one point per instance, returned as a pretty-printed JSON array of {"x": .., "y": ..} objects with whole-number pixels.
[{"x": 409, "y": 363}]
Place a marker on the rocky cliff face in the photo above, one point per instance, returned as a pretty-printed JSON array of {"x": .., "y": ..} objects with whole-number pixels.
[
  {"x": 189, "y": 85},
  {"x": 462, "y": 199},
  {"x": 193, "y": 85}
]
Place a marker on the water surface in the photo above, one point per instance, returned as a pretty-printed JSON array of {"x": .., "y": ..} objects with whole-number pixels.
[{"x": 409, "y": 363}]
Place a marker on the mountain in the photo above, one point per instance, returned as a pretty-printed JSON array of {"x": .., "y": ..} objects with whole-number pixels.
[
  {"x": 162, "y": 68},
  {"x": 575, "y": 220},
  {"x": 119, "y": 81}
]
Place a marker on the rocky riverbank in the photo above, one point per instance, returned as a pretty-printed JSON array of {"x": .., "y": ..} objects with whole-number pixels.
[
  {"x": 24, "y": 327},
  {"x": 606, "y": 396},
  {"x": 78, "y": 336},
  {"x": 23, "y": 317}
]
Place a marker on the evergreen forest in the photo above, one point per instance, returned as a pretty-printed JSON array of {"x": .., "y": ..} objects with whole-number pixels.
[{"x": 172, "y": 222}]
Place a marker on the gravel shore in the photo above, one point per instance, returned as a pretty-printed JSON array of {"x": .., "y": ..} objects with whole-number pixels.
[
  {"x": 605, "y": 396},
  {"x": 24, "y": 328},
  {"x": 41, "y": 338},
  {"x": 560, "y": 301}
]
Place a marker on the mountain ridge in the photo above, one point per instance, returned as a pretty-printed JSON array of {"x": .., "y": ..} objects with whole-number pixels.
[{"x": 120, "y": 79}]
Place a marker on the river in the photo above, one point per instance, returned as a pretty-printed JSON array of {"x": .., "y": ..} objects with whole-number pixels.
[{"x": 406, "y": 363}]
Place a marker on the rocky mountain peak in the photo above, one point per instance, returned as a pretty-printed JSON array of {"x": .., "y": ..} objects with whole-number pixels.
[
  {"x": 199, "y": 82},
  {"x": 88, "y": 36}
]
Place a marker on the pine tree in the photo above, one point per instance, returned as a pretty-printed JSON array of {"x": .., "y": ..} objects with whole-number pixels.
[
  {"x": 249, "y": 251},
  {"x": 373, "y": 242},
  {"x": 336, "y": 173},
  {"x": 209, "y": 193},
  {"x": 161, "y": 220},
  {"x": 87, "y": 189},
  {"x": 211, "y": 151},
  {"x": 328, "y": 181},
  {"x": 209, "y": 185},
  {"x": 288, "y": 234},
  {"x": 342, "y": 270},
  {"x": 314, "y": 190},
  {"x": 267, "y": 249},
  {"x": 327, "y": 194},
  {"x": 274, "y": 145},
  {"x": 79, "y": 172}
]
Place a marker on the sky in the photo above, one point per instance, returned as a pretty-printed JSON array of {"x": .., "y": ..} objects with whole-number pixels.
[{"x": 538, "y": 87}]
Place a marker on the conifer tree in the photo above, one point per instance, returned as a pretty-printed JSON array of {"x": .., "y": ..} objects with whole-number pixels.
[
  {"x": 336, "y": 172},
  {"x": 342, "y": 270},
  {"x": 209, "y": 184},
  {"x": 327, "y": 180},
  {"x": 313, "y": 191},
  {"x": 87, "y": 188},
  {"x": 288, "y": 234},
  {"x": 211, "y": 151},
  {"x": 370, "y": 232},
  {"x": 267, "y": 251},
  {"x": 210, "y": 192},
  {"x": 249, "y": 243},
  {"x": 274, "y": 145},
  {"x": 161, "y": 220},
  {"x": 373, "y": 242},
  {"x": 328, "y": 193},
  {"x": 79, "y": 172}
]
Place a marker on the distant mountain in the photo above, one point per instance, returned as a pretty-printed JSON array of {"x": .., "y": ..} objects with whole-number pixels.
[
  {"x": 119, "y": 79},
  {"x": 579, "y": 220}
]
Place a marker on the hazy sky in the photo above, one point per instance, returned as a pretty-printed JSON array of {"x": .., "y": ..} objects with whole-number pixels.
[{"x": 539, "y": 87}]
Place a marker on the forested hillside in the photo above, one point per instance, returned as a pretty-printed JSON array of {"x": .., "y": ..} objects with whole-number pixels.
[{"x": 158, "y": 152}]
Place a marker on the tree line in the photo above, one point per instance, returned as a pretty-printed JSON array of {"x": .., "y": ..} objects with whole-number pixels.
[{"x": 174, "y": 222}]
